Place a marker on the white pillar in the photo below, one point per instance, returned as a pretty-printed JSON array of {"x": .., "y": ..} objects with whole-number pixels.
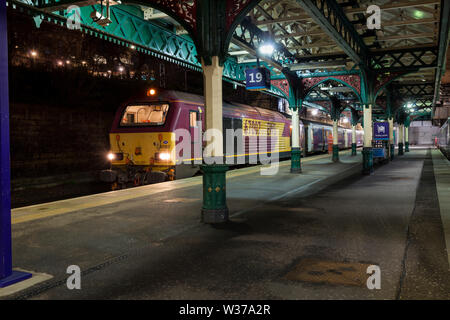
[
  {"x": 335, "y": 132},
  {"x": 353, "y": 134},
  {"x": 368, "y": 126},
  {"x": 400, "y": 134},
  {"x": 295, "y": 129},
  {"x": 212, "y": 76},
  {"x": 406, "y": 134},
  {"x": 391, "y": 130}
]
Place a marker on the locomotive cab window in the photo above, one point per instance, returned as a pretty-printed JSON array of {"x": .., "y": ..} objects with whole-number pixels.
[{"x": 144, "y": 115}]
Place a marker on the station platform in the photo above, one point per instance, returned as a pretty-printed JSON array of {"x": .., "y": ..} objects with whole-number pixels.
[{"x": 291, "y": 236}]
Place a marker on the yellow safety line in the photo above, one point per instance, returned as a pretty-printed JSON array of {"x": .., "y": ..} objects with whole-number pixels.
[{"x": 60, "y": 207}]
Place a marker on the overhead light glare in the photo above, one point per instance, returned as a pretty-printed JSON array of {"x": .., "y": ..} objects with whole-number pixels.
[{"x": 266, "y": 49}]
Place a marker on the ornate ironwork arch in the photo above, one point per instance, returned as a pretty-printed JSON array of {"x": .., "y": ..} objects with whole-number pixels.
[
  {"x": 384, "y": 79},
  {"x": 210, "y": 23},
  {"x": 351, "y": 81}
]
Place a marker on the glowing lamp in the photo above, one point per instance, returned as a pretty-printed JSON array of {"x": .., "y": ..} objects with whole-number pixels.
[{"x": 266, "y": 49}]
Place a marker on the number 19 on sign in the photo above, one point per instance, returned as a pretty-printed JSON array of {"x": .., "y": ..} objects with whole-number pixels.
[{"x": 257, "y": 79}]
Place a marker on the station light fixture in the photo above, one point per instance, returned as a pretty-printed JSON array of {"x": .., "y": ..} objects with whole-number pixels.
[
  {"x": 60, "y": 63},
  {"x": 267, "y": 46},
  {"x": 314, "y": 112},
  {"x": 33, "y": 53},
  {"x": 110, "y": 156},
  {"x": 266, "y": 49},
  {"x": 345, "y": 120},
  {"x": 418, "y": 14},
  {"x": 151, "y": 92},
  {"x": 316, "y": 65},
  {"x": 121, "y": 69}
]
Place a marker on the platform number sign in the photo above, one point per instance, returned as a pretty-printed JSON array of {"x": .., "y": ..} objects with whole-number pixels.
[
  {"x": 257, "y": 79},
  {"x": 381, "y": 131}
]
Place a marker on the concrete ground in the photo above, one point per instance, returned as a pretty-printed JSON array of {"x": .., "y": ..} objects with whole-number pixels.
[{"x": 307, "y": 236}]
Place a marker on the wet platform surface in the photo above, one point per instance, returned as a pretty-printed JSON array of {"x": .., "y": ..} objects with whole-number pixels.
[{"x": 148, "y": 243}]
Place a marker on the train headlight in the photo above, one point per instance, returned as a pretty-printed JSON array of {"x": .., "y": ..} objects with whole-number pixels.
[
  {"x": 115, "y": 156},
  {"x": 164, "y": 156}
]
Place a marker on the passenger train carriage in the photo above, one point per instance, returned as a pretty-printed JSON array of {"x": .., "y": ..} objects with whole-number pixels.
[{"x": 146, "y": 131}]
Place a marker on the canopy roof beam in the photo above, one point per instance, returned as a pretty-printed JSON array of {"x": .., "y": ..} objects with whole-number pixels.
[{"x": 333, "y": 21}]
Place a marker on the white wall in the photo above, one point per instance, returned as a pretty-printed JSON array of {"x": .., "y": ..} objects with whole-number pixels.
[{"x": 422, "y": 132}]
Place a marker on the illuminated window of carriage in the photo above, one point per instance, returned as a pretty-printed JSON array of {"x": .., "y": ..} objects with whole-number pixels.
[
  {"x": 145, "y": 115},
  {"x": 193, "y": 119}
]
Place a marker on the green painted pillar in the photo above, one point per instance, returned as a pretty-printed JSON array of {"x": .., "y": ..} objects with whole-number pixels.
[
  {"x": 296, "y": 156},
  {"x": 368, "y": 131},
  {"x": 214, "y": 208},
  {"x": 406, "y": 139},
  {"x": 367, "y": 154},
  {"x": 400, "y": 149},
  {"x": 296, "y": 151},
  {"x": 400, "y": 140},
  {"x": 335, "y": 156},
  {"x": 391, "y": 138}
]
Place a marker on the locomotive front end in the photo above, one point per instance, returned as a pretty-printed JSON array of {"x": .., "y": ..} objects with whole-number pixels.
[{"x": 142, "y": 146}]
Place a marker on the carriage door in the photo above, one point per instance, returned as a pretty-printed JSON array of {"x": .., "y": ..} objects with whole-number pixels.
[{"x": 196, "y": 135}]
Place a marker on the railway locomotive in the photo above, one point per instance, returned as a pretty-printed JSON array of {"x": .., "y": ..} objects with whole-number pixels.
[{"x": 146, "y": 131}]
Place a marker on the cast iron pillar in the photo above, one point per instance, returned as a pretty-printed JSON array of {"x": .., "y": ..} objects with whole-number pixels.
[
  {"x": 406, "y": 138},
  {"x": 336, "y": 110},
  {"x": 353, "y": 140},
  {"x": 391, "y": 138},
  {"x": 335, "y": 157},
  {"x": 7, "y": 275},
  {"x": 400, "y": 139},
  {"x": 355, "y": 119},
  {"x": 296, "y": 152},
  {"x": 214, "y": 209},
  {"x": 367, "y": 150}
]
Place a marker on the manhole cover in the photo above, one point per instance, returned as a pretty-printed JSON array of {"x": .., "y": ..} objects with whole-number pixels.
[{"x": 337, "y": 273}]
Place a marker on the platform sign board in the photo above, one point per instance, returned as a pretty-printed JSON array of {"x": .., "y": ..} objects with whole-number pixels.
[
  {"x": 378, "y": 152},
  {"x": 257, "y": 79},
  {"x": 381, "y": 131}
]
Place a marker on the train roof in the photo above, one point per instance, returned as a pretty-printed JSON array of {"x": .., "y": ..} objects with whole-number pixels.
[{"x": 232, "y": 108}]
